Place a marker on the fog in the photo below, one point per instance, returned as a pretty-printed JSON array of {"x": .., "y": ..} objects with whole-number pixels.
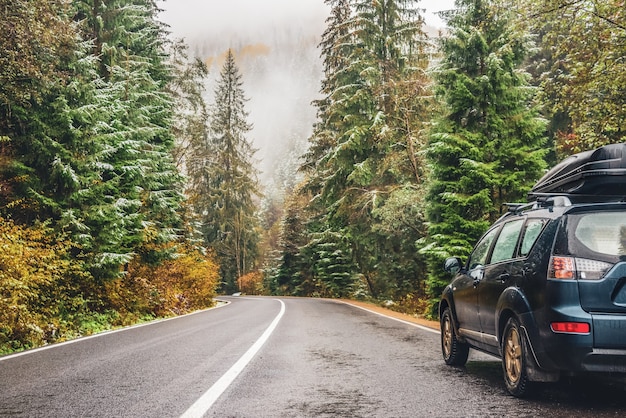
[{"x": 275, "y": 45}]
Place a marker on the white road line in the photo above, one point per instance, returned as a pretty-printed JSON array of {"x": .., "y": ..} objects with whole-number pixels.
[
  {"x": 396, "y": 319},
  {"x": 104, "y": 333},
  {"x": 202, "y": 405}
]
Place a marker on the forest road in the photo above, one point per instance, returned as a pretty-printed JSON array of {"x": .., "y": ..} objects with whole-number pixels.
[{"x": 276, "y": 357}]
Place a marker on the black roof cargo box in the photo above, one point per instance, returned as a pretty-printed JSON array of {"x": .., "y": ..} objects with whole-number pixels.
[{"x": 590, "y": 176}]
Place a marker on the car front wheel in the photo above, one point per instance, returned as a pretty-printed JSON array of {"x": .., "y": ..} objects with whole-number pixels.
[
  {"x": 514, "y": 366},
  {"x": 454, "y": 352}
]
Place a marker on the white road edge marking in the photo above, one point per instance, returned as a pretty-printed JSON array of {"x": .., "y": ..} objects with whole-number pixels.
[
  {"x": 204, "y": 403},
  {"x": 104, "y": 333},
  {"x": 396, "y": 319}
]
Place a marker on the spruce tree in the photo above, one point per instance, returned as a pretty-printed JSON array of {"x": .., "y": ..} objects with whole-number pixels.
[
  {"x": 225, "y": 183},
  {"x": 37, "y": 42},
  {"x": 375, "y": 61},
  {"x": 486, "y": 149},
  {"x": 131, "y": 208}
]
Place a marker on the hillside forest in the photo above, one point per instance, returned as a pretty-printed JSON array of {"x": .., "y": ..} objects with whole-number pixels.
[{"x": 128, "y": 192}]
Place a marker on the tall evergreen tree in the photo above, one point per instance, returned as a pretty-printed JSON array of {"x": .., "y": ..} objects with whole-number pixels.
[
  {"x": 388, "y": 56},
  {"x": 487, "y": 147},
  {"x": 226, "y": 182},
  {"x": 37, "y": 40},
  {"x": 131, "y": 207},
  {"x": 364, "y": 148}
]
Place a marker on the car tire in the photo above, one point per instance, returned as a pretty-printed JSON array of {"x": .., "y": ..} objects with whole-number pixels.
[
  {"x": 454, "y": 352},
  {"x": 514, "y": 360}
]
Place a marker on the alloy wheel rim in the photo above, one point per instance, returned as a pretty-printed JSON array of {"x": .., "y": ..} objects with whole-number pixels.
[
  {"x": 513, "y": 356},
  {"x": 447, "y": 336}
]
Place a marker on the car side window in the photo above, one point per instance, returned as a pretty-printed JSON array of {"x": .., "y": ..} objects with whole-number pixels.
[
  {"x": 481, "y": 251},
  {"x": 507, "y": 241},
  {"x": 531, "y": 233}
]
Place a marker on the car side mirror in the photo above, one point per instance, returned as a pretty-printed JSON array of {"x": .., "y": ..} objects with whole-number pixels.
[{"x": 453, "y": 265}]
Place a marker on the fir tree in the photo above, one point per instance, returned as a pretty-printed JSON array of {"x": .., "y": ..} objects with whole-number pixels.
[
  {"x": 487, "y": 147},
  {"x": 132, "y": 207},
  {"x": 226, "y": 183},
  {"x": 366, "y": 148}
]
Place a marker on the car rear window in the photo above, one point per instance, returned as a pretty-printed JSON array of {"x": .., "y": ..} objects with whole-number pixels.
[
  {"x": 532, "y": 231},
  {"x": 602, "y": 232},
  {"x": 507, "y": 240}
]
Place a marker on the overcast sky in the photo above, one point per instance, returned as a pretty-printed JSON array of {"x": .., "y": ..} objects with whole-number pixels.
[
  {"x": 188, "y": 17},
  {"x": 279, "y": 104}
]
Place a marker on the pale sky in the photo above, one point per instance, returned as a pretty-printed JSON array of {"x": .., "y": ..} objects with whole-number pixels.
[
  {"x": 282, "y": 85},
  {"x": 187, "y": 17}
]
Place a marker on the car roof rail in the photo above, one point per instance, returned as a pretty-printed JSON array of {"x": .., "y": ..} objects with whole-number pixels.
[{"x": 519, "y": 207}]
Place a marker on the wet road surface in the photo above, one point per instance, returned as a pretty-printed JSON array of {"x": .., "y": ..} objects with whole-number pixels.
[{"x": 323, "y": 359}]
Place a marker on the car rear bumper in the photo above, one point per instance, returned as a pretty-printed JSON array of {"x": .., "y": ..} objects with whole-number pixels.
[
  {"x": 605, "y": 360},
  {"x": 601, "y": 350}
]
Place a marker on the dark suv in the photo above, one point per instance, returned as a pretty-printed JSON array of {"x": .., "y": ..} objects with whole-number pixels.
[{"x": 545, "y": 287}]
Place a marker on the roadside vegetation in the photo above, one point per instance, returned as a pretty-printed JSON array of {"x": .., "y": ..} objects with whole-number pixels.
[{"x": 127, "y": 195}]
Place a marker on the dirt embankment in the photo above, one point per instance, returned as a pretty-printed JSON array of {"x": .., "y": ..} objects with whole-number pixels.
[{"x": 393, "y": 314}]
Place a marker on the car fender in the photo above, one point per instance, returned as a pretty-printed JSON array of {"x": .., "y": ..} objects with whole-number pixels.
[
  {"x": 447, "y": 298},
  {"x": 512, "y": 302}
]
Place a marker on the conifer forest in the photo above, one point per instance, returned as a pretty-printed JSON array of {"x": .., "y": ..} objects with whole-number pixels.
[{"x": 129, "y": 192}]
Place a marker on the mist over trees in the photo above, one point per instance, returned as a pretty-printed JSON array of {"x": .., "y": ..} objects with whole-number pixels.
[
  {"x": 129, "y": 185},
  {"x": 406, "y": 168},
  {"x": 225, "y": 184}
]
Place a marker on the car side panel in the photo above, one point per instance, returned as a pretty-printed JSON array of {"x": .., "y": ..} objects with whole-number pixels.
[{"x": 466, "y": 302}]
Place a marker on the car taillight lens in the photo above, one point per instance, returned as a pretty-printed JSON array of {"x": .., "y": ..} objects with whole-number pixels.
[
  {"x": 571, "y": 327},
  {"x": 570, "y": 268},
  {"x": 562, "y": 268}
]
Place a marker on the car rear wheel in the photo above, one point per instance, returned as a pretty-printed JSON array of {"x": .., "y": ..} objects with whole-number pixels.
[
  {"x": 454, "y": 352},
  {"x": 514, "y": 364}
]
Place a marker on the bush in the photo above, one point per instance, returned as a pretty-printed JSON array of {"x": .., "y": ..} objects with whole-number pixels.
[
  {"x": 177, "y": 286},
  {"x": 252, "y": 283},
  {"x": 37, "y": 282}
]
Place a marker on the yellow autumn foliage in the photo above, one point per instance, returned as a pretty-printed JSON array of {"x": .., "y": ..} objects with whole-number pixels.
[
  {"x": 34, "y": 273},
  {"x": 251, "y": 283},
  {"x": 46, "y": 296},
  {"x": 183, "y": 284}
]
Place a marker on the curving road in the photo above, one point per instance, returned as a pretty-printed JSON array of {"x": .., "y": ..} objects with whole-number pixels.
[{"x": 267, "y": 357}]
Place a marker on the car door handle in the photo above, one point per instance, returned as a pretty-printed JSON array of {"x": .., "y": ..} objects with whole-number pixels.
[{"x": 504, "y": 277}]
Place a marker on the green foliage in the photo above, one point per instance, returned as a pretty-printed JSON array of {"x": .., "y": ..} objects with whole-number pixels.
[
  {"x": 224, "y": 181},
  {"x": 87, "y": 148},
  {"x": 364, "y": 168},
  {"x": 487, "y": 148},
  {"x": 581, "y": 69}
]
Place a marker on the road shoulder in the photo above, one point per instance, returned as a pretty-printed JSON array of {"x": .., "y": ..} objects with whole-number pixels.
[{"x": 393, "y": 314}]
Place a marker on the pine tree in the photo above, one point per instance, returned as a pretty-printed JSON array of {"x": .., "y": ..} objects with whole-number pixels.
[
  {"x": 366, "y": 142},
  {"x": 131, "y": 208},
  {"x": 487, "y": 147},
  {"x": 225, "y": 184}
]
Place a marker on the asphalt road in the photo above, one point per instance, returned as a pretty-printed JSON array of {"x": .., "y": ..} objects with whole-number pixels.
[{"x": 265, "y": 357}]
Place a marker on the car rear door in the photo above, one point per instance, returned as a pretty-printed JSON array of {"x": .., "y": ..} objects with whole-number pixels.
[{"x": 497, "y": 277}]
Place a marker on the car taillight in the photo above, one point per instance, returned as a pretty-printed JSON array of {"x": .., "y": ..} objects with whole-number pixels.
[
  {"x": 591, "y": 269},
  {"x": 571, "y": 327},
  {"x": 562, "y": 268},
  {"x": 570, "y": 268}
]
